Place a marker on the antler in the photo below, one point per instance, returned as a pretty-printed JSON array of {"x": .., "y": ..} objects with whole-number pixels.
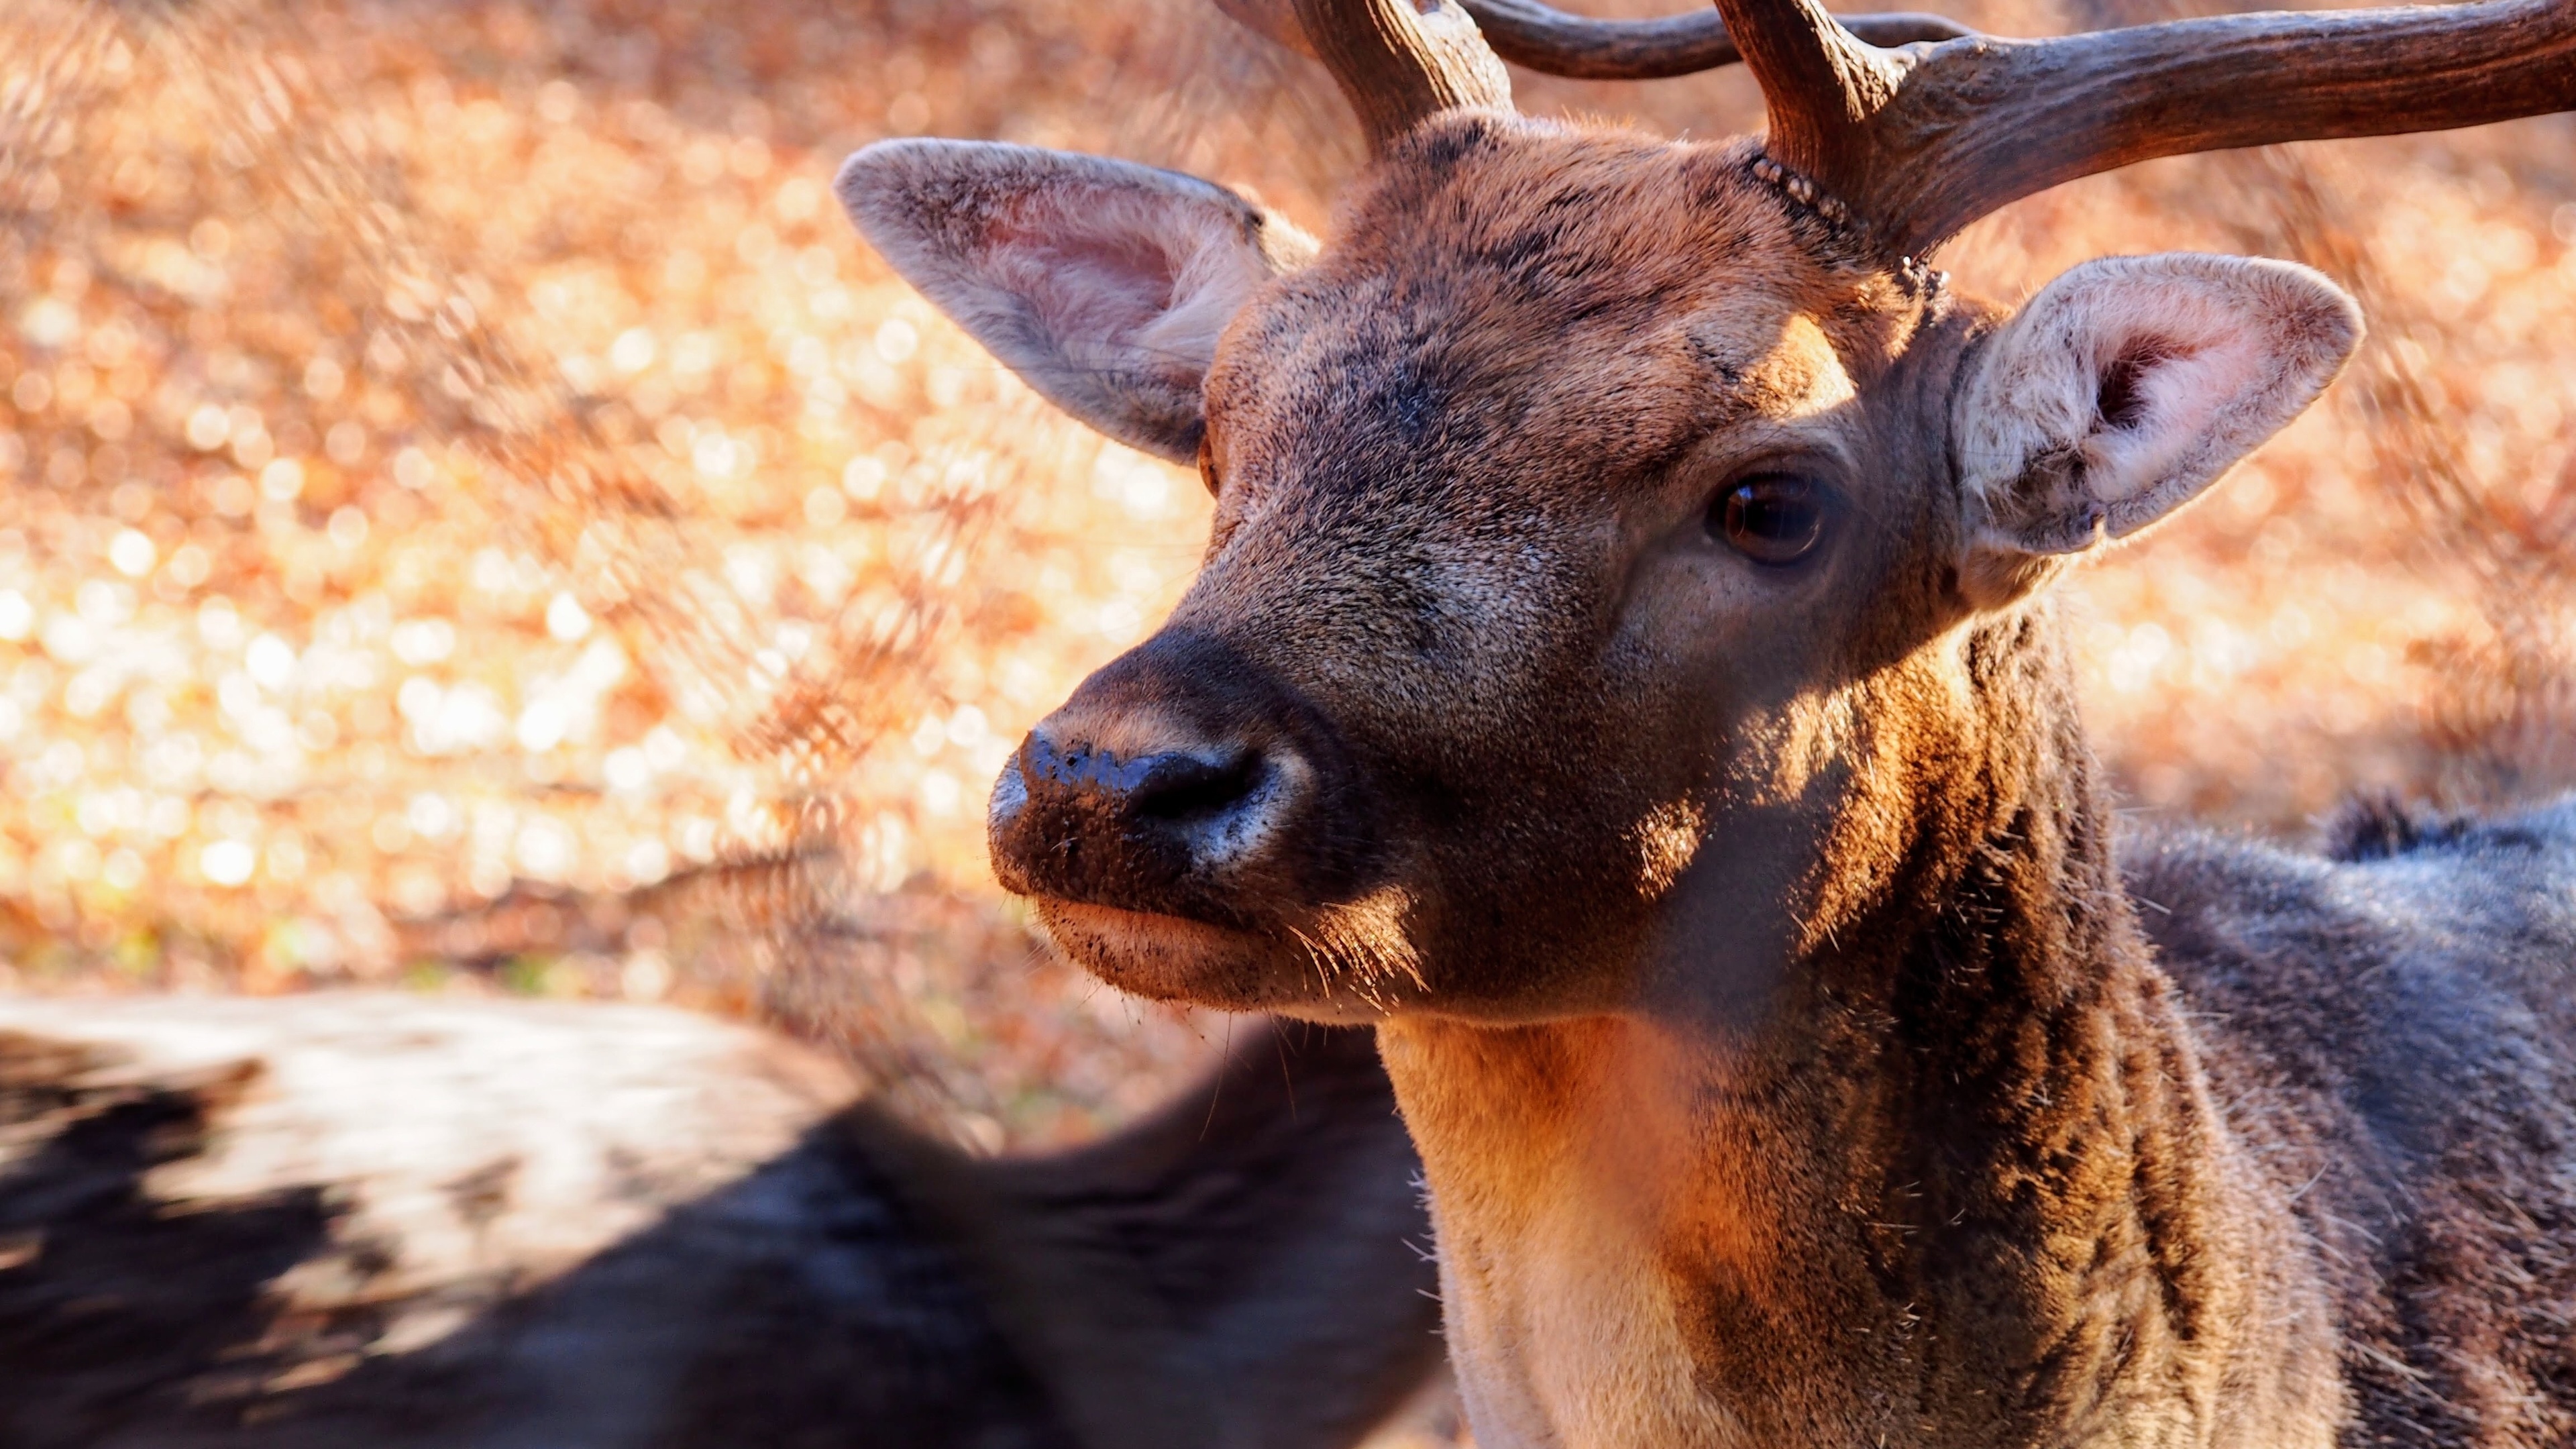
[
  {"x": 1544, "y": 38},
  {"x": 1922, "y": 141},
  {"x": 1398, "y": 62},
  {"x": 1918, "y": 141},
  {"x": 1549, "y": 40}
]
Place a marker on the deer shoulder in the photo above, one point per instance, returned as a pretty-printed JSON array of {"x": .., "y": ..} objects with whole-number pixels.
[{"x": 2390, "y": 1026}]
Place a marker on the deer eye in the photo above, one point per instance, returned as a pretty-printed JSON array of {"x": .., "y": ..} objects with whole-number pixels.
[
  {"x": 1207, "y": 465},
  {"x": 1770, "y": 518}
]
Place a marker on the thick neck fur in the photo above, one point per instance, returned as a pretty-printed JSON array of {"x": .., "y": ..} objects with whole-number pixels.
[{"x": 1958, "y": 1181}]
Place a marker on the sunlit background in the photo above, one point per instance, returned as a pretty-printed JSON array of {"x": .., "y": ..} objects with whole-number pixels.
[{"x": 474, "y": 518}]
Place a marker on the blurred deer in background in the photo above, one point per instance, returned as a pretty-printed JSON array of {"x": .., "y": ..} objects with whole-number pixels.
[
  {"x": 344, "y": 1220},
  {"x": 1623, "y": 669}
]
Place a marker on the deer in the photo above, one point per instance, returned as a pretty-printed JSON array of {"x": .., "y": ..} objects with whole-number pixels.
[
  {"x": 1623, "y": 673},
  {"x": 368, "y": 1218}
]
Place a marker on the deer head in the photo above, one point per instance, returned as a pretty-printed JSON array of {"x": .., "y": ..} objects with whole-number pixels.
[{"x": 1610, "y": 532}]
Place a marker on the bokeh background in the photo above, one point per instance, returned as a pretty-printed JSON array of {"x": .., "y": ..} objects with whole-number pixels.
[{"x": 474, "y": 517}]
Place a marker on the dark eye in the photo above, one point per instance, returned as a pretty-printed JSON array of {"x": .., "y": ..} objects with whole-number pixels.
[
  {"x": 1207, "y": 464},
  {"x": 1770, "y": 518}
]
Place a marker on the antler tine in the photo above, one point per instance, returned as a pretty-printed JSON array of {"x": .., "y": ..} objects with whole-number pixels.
[
  {"x": 2050, "y": 111},
  {"x": 1398, "y": 63},
  {"x": 1526, "y": 32},
  {"x": 1552, "y": 42},
  {"x": 1920, "y": 142}
]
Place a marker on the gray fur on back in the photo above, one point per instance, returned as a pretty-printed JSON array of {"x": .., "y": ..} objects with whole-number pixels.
[{"x": 2395, "y": 1033}]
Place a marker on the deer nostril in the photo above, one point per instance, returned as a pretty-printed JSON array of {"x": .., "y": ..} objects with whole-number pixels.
[{"x": 1183, "y": 789}]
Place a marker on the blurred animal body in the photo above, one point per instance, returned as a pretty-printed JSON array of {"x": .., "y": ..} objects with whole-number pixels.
[
  {"x": 345, "y": 1220},
  {"x": 1623, "y": 670}
]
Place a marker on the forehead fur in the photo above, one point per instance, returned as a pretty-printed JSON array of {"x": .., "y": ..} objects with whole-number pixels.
[{"x": 1518, "y": 287}]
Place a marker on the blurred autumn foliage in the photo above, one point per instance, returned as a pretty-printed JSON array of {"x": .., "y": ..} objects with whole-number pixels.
[{"x": 473, "y": 515}]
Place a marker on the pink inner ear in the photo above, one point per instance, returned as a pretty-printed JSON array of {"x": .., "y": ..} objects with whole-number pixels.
[
  {"x": 2165, "y": 398},
  {"x": 1118, "y": 272},
  {"x": 2185, "y": 388},
  {"x": 1085, "y": 280},
  {"x": 2121, "y": 399}
]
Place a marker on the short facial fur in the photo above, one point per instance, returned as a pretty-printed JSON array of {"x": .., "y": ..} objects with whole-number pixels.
[{"x": 1462, "y": 461}]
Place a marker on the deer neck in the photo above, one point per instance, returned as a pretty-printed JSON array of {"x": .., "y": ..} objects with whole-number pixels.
[{"x": 1949, "y": 1173}]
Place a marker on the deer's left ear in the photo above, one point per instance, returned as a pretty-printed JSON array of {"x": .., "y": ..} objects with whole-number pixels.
[
  {"x": 2121, "y": 392},
  {"x": 1103, "y": 284}
]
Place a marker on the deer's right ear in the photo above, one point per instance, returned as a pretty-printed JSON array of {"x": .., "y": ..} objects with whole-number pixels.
[
  {"x": 1102, "y": 284},
  {"x": 2122, "y": 391}
]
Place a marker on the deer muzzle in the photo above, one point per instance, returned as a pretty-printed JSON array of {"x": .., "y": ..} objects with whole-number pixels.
[{"x": 1178, "y": 781}]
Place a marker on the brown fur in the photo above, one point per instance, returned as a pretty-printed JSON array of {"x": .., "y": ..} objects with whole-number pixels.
[{"x": 1788, "y": 1061}]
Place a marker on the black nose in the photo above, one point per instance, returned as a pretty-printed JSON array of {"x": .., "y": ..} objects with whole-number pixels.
[
  {"x": 1083, "y": 822},
  {"x": 1184, "y": 779}
]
